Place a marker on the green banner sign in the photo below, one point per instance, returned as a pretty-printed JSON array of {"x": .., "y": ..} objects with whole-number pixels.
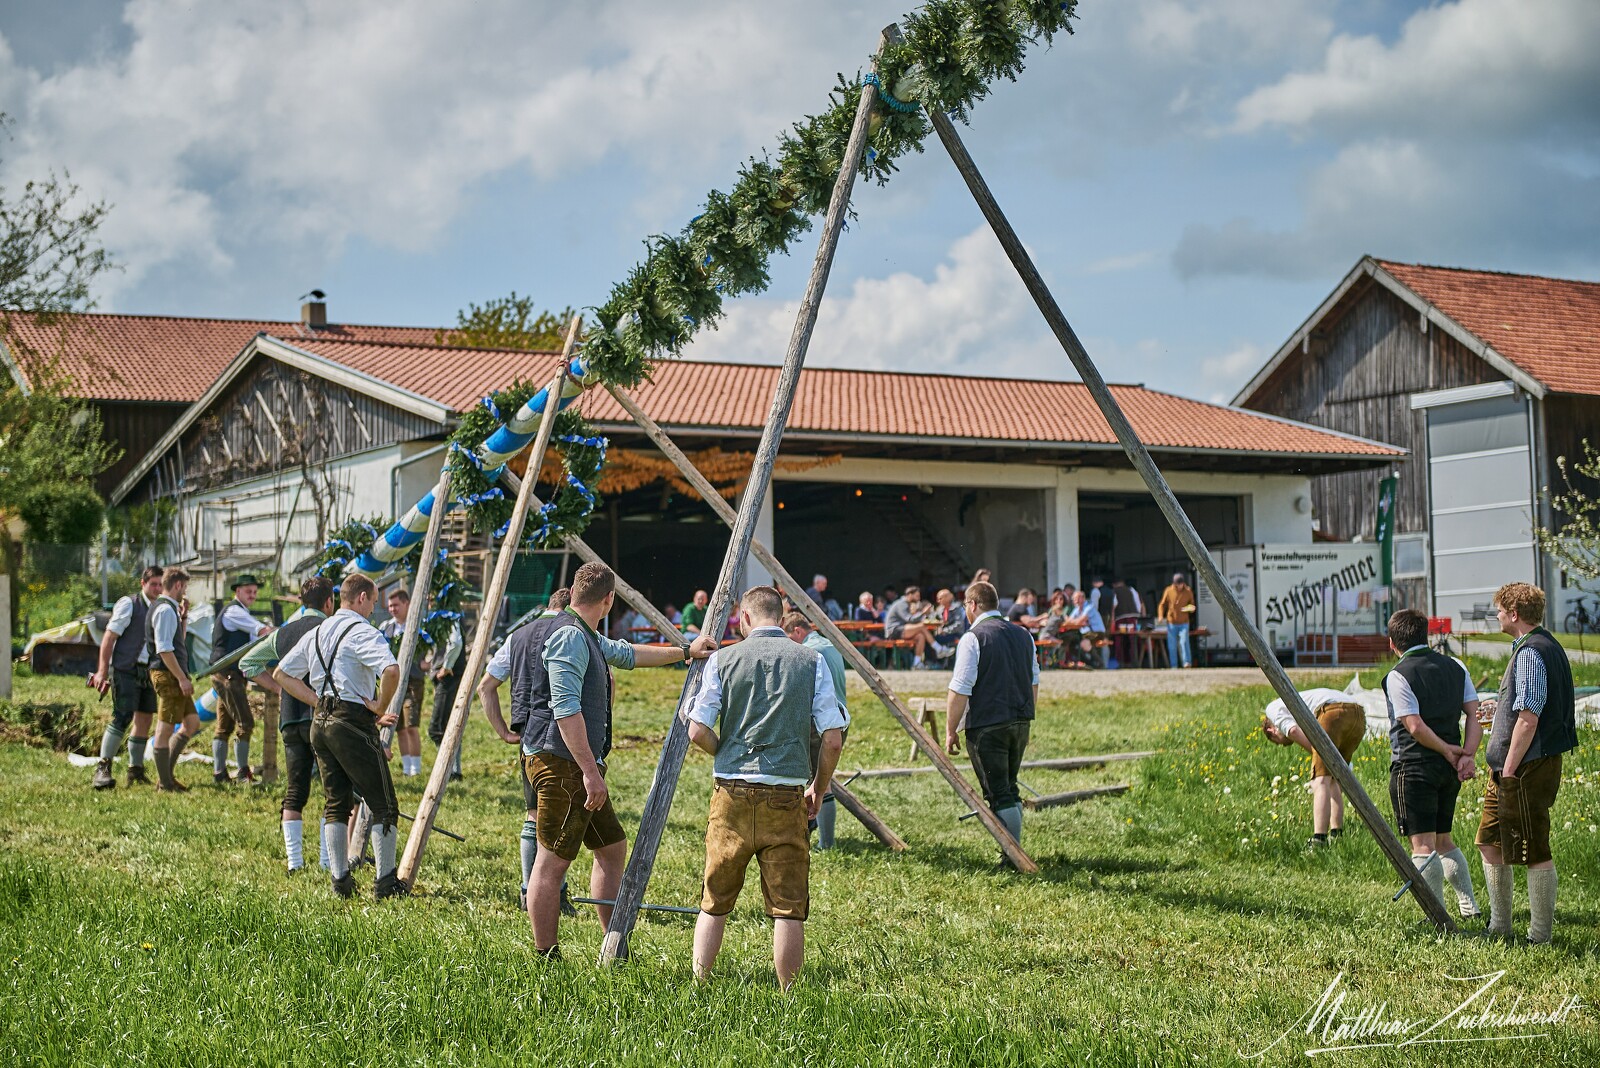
[{"x": 1388, "y": 490}]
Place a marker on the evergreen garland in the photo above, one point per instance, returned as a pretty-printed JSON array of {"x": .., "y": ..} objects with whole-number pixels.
[
  {"x": 952, "y": 51},
  {"x": 447, "y": 589}
]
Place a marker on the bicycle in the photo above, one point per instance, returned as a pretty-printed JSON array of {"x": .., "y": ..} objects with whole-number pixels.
[{"x": 1580, "y": 619}]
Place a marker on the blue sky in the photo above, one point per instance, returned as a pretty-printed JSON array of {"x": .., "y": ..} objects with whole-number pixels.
[{"x": 1192, "y": 177}]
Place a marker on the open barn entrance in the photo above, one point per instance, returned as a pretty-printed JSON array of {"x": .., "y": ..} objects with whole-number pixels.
[
  {"x": 872, "y": 536},
  {"x": 1124, "y": 535}
]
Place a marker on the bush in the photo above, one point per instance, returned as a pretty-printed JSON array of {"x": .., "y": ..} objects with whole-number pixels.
[{"x": 68, "y": 513}]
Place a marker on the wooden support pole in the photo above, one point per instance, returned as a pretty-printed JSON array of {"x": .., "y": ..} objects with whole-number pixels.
[
  {"x": 510, "y": 544},
  {"x": 1072, "y": 797},
  {"x": 643, "y": 857},
  {"x": 869, "y": 819},
  {"x": 1199, "y": 556},
  {"x": 875, "y": 681},
  {"x": 1052, "y": 764}
]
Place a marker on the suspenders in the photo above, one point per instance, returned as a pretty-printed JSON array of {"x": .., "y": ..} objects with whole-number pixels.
[{"x": 330, "y": 688}]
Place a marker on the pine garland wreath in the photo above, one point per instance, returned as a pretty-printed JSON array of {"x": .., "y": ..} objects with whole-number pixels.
[
  {"x": 447, "y": 588},
  {"x": 951, "y": 53}
]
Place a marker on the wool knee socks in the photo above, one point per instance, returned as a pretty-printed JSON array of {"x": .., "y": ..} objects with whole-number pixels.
[
  {"x": 1432, "y": 874},
  {"x": 219, "y": 756},
  {"x": 1460, "y": 877},
  {"x": 336, "y": 840},
  {"x": 530, "y": 850},
  {"x": 383, "y": 842},
  {"x": 111, "y": 741},
  {"x": 241, "y": 754},
  {"x": 293, "y": 845},
  {"x": 136, "y": 748},
  {"x": 1541, "y": 903},
  {"x": 1500, "y": 880}
]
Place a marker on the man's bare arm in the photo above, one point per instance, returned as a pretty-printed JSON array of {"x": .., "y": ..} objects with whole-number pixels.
[{"x": 489, "y": 694}]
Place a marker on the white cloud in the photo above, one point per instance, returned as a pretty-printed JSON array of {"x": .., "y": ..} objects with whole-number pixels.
[
  {"x": 225, "y": 125},
  {"x": 1220, "y": 375},
  {"x": 1450, "y": 145},
  {"x": 972, "y": 316}
]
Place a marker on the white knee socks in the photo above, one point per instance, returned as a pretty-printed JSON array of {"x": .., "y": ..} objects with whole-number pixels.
[
  {"x": 293, "y": 848},
  {"x": 1541, "y": 903},
  {"x": 336, "y": 840},
  {"x": 1460, "y": 876},
  {"x": 1500, "y": 880},
  {"x": 383, "y": 842},
  {"x": 1432, "y": 874}
]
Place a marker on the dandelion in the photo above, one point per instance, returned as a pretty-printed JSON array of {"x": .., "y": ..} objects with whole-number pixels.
[{"x": 147, "y": 945}]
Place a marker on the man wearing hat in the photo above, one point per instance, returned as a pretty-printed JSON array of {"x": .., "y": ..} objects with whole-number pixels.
[{"x": 236, "y": 629}]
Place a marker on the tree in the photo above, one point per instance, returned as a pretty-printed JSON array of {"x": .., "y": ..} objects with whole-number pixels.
[
  {"x": 51, "y": 446},
  {"x": 509, "y": 323},
  {"x": 1575, "y": 543}
]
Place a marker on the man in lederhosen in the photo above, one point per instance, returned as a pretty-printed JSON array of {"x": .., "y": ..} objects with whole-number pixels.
[
  {"x": 167, "y": 649},
  {"x": 125, "y": 670},
  {"x": 408, "y": 736},
  {"x": 350, "y": 678},
  {"x": 445, "y": 666},
  {"x": 236, "y": 629},
  {"x": 993, "y": 689},
  {"x": 294, "y": 715}
]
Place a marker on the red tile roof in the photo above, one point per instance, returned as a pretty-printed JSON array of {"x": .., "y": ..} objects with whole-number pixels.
[
  {"x": 1549, "y": 327},
  {"x": 693, "y": 394},
  {"x": 156, "y": 357}
]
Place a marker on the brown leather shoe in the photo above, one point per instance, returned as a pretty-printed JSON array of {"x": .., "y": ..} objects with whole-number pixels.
[
  {"x": 245, "y": 777},
  {"x": 137, "y": 776},
  {"x": 103, "y": 779}
]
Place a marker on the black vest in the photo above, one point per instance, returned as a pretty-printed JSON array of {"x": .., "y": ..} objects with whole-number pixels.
[
  {"x": 230, "y": 641},
  {"x": 291, "y": 710},
  {"x": 1558, "y": 727},
  {"x": 131, "y": 642},
  {"x": 530, "y": 689},
  {"x": 180, "y": 638},
  {"x": 1003, "y": 690},
  {"x": 1122, "y": 604},
  {"x": 1438, "y": 683}
]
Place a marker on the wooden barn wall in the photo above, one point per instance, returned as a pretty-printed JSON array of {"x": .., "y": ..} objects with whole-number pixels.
[
  {"x": 1364, "y": 364},
  {"x": 271, "y": 419},
  {"x": 133, "y": 427},
  {"x": 1569, "y": 421}
]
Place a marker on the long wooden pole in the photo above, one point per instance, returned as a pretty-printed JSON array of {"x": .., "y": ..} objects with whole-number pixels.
[
  {"x": 510, "y": 544},
  {"x": 869, "y": 819},
  {"x": 819, "y": 619},
  {"x": 1398, "y": 855},
  {"x": 643, "y": 857}
]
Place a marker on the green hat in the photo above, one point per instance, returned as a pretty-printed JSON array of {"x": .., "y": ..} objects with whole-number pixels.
[{"x": 245, "y": 579}]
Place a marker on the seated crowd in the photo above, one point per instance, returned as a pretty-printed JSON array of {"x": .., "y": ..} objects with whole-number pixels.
[{"x": 1073, "y": 624}]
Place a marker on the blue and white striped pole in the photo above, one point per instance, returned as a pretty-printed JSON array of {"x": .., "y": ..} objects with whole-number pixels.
[{"x": 510, "y": 438}]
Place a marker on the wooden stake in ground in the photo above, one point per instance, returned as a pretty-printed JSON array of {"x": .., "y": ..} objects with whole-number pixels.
[
  {"x": 510, "y": 545},
  {"x": 643, "y": 857},
  {"x": 408, "y": 643},
  {"x": 819, "y": 619},
  {"x": 1398, "y": 855}
]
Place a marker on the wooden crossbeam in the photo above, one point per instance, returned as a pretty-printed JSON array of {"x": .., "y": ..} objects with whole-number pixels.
[
  {"x": 869, "y": 819},
  {"x": 1050, "y": 764},
  {"x": 1072, "y": 797},
  {"x": 641, "y": 861},
  {"x": 1199, "y": 555},
  {"x": 921, "y": 740}
]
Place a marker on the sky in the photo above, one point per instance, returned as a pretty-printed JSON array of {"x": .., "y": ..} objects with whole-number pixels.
[{"x": 1192, "y": 176}]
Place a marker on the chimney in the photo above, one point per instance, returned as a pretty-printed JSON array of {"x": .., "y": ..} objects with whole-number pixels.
[{"x": 314, "y": 312}]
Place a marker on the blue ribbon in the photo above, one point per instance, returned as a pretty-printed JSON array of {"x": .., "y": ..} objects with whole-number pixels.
[
  {"x": 470, "y": 454},
  {"x": 340, "y": 543},
  {"x": 902, "y": 106},
  {"x": 577, "y": 483},
  {"x": 488, "y": 402}
]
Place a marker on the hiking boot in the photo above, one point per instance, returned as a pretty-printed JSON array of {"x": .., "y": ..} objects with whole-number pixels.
[
  {"x": 390, "y": 886},
  {"x": 1314, "y": 844},
  {"x": 567, "y": 907},
  {"x": 137, "y": 776},
  {"x": 220, "y": 778},
  {"x": 245, "y": 778},
  {"x": 103, "y": 779},
  {"x": 345, "y": 885}
]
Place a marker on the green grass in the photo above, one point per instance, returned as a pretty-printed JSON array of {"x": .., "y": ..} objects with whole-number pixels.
[{"x": 1181, "y": 922}]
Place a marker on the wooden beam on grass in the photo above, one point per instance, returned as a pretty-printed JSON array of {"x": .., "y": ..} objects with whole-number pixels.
[
  {"x": 510, "y": 545},
  {"x": 642, "y": 859},
  {"x": 1053, "y": 764},
  {"x": 875, "y": 681},
  {"x": 1072, "y": 797},
  {"x": 1399, "y": 856},
  {"x": 869, "y": 819}
]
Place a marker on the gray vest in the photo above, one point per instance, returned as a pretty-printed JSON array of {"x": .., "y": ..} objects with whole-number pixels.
[
  {"x": 768, "y": 683},
  {"x": 131, "y": 642},
  {"x": 530, "y": 689},
  {"x": 180, "y": 638}
]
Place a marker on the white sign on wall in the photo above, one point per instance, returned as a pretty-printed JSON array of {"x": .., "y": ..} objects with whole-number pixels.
[{"x": 1296, "y": 580}]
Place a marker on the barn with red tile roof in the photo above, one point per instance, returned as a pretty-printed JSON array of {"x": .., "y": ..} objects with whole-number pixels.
[
  {"x": 1485, "y": 378},
  {"x": 886, "y": 477}
]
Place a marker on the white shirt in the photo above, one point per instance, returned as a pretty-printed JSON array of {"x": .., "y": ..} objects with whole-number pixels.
[
  {"x": 122, "y": 618},
  {"x": 826, "y": 715},
  {"x": 966, "y": 669},
  {"x": 452, "y": 649},
  {"x": 363, "y": 656},
  {"x": 165, "y": 625},
  {"x": 237, "y": 617},
  {"x": 1278, "y": 712},
  {"x": 1403, "y": 702}
]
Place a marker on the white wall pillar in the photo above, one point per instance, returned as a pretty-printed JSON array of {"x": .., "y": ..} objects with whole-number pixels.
[{"x": 1062, "y": 530}]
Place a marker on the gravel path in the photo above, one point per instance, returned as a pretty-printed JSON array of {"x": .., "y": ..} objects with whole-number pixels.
[{"x": 1111, "y": 683}]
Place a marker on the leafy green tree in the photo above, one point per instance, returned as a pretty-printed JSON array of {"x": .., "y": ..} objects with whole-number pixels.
[{"x": 509, "y": 323}]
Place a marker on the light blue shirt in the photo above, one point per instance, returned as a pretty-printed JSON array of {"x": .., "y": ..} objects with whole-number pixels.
[
  {"x": 566, "y": 658},
  {"x": 966, "y": 669},
  {"x": 827, "y": 711},
  {"x": 1533, "y": 688}
]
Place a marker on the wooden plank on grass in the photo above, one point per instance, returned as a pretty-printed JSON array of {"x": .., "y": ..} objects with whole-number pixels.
[{"x": 1072, "y": 797}]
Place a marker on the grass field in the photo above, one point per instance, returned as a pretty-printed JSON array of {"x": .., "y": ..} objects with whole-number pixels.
[{"x": 1182, "y": 922}]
